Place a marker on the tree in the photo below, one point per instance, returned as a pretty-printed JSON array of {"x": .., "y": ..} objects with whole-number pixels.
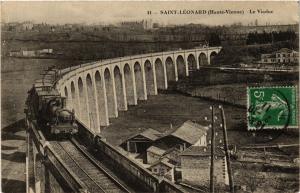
[{"x": 214, "y": 39}]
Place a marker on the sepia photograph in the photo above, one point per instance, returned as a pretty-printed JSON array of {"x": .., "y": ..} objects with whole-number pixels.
[{"x": 150, "y": 96}]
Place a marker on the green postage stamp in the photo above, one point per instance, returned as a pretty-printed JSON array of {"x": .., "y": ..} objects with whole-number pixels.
[{"x": 272, "y": 107}]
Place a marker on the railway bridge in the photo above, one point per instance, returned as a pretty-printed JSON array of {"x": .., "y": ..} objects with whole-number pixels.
[{"x": 97, "y": 91}]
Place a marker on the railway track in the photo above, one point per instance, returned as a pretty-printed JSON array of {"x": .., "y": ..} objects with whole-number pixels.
[{"x": 94, "y": 176}]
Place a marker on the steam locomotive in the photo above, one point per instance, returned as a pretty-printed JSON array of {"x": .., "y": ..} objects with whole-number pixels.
[{"x": 47, "y": 108}]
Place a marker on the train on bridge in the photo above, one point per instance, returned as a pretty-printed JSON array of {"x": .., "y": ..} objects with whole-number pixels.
[{"x": 48, "y": 108}]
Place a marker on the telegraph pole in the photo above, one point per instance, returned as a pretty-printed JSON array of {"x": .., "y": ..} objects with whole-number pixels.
[
  {"x": 212, "y": 188},
  {"x": 224, "y": 128}
]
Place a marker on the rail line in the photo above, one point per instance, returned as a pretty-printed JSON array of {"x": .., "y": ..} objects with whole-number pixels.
[{"x": 88, "y": 171}]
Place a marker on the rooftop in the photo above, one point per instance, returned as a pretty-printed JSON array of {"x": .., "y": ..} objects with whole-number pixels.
[
  {"x": 189, "y": 132},
  {"x": 149, "y": 134},
  {"x": 156, "y": 150},
  {"x": 163, "y": 161}
]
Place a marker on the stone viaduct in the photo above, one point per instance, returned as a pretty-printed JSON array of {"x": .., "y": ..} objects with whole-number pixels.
[{"x": 98, "y": 90}]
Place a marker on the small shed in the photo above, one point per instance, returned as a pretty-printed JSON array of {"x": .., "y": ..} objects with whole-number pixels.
[
  {"x": 139, "y": 143},
  {"x": 192, "y": 133},
  {"x": 189, "y": 133},
  {"x": 154, "y": 154},
  {"x": 163, "y": 168}
]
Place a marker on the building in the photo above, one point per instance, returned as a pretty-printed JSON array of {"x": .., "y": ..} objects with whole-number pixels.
[
  {"x": 189, "y": 133},
  {"x": 139, "y": 143},
  {"x": 163, "y": 168},
  {"x": 285, "y": 55},
  {"x": 134, "y": 25},
  {"x": 14, "y": 53},
  {"x": 28, "y": 53},
  {"x": 31, "y": 53},
  {"x": 138, "y": 25},
  {"x": 163, "y": 163},
  {"x": 27, "y": 26},
  {"x": 45, "y": 51},
  {"x": 282, "y": 56},
  {"x": 176, "y": 141},
  {"x": 263, "y": 28},
  {"x": 18, "y": 27},
  {"x": 268, "y": 58},
  {"x": 147, "y": 24},
  {"x": 154, "y": 154},
  {"x": 195, "y": 166}
]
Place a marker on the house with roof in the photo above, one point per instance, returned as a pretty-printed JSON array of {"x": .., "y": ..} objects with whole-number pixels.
[
  {"x": 189, "y": 133},
  {"x": 176, "y": 140},
  {"x": 154, "y": 154},
  {"x": 160, "y": 152},
  {"x": 286, "y": 55},
  {"x": 163, "y": 168},
  {"x": 140, "y": 142},
  {"x": 268, "y": 58},
  {"x": 282, "y": 56},
  {"x": 195, "y": 166}
]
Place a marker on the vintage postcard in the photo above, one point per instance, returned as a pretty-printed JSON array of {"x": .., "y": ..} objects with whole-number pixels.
[{"x": 149, "y": 96}]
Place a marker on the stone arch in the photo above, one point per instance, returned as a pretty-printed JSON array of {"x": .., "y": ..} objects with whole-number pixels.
[
  {"x": 149, "y": 78},
  {"x": 129, "y": 86},
  {"x": 75, "y": 100},
  {"x": 170, "y": 68},
  {"x": 202, "y": 59},
  {"x": 181, "y": 70},
  {"x": 192, "y": 63},
  {"x": 139, "y": 81},
  {"x": 83, "y": 102},
  {"x": 101, "y": 99},
  {"x": 212, "y": 57},
  {"x": 160, "y": 74},
  {"x": 121, "y": 104},
  {"x": 93, "y": 116},
  {"x": 110, "y": 98}
]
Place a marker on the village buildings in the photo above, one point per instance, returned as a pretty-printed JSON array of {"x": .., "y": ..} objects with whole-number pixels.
[
  {"x": 178, "y": 139},
  {"x": 166, "y": 154},
  {"x": 32, "y": 53},
  {"x": 282, "y": 56}
]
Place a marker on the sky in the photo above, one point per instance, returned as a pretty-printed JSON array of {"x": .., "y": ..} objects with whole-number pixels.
[{"x": 93, "y": 12}]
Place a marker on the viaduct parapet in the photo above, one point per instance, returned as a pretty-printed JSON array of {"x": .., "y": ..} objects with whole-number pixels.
[{"x": 97, "y": 91}]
